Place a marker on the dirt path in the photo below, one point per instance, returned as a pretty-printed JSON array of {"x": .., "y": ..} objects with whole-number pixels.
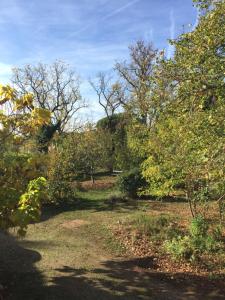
[{"x": 66, "y": 256}]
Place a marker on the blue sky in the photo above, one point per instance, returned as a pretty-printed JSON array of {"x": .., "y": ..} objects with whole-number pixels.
[{"x": 90, "y": 35}]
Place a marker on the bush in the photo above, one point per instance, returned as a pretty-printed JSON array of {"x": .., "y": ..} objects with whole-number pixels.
[
  {"x": 114, "y": 198},
  {"x": 60, "y": 179},
  {"x": 197, "y": 242},
  {"x": 131, "y": 182},
  {"x": 61, "y": 191},
  {"x": 29, "y": 205}
]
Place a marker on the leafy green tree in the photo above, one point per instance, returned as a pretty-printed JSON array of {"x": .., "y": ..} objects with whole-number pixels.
[
  {"x": 121, "y": 156},
  {"x": 80, "y": 155},
  {"x": 91, "y": 150},
  {"x": 61, "y": 174},
  {"x": 186, "y": 144}
]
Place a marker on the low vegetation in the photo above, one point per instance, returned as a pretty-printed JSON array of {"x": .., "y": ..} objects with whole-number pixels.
[
  {"x": 157, "y": 228},
  {"x": 198, "y": 241},
  {"x": 131, "y": 183}
]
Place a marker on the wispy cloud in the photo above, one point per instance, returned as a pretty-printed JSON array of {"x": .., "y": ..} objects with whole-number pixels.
[
  {"x": 120, "y": 9},
  {"x": 170, "y": 48},
  {"x": 90, "y": 34},
  {"x": 12, "y": 13},
  {"x": 107, "y": 16}
]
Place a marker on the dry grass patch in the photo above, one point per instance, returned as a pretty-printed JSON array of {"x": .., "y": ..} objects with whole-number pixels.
[
  {"x": 100, "y": 184},
  {"x": 75, "y": 224}
]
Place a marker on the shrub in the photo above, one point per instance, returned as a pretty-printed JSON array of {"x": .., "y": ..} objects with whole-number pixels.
[
  {"x": 131, "y": 182},
  {"x": 29, "y": 205},
  {"x": 199, "y": 227},
  {"x": 180, "y": 248},
  {"x": 197, "y": 242},
  {"x": 115, "y": 197},
  {"x": 60, "y": 178}
]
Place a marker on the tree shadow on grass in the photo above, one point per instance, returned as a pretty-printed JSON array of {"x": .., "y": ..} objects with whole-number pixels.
[
  {"x": 118, "y": 205},
  {"x": 49, "y": 211},
  {"x": 131, "y": 279},
  {"x": 18, "y": 274},
  {"x": 165, "y": 199},
  {"x": 39, "y": 244},
  {"x": 119, "y": 279}
]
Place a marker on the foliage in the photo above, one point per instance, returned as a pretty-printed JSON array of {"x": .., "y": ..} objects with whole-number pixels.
[
  {"x": 113, "y": 123},
  {"x": 29, "y": 204},
  {"x": 14, "y": 212},
  {"x": 61, "y": 174},
  {"x": 137, "y": 140},
  {"x": 19, "y": 120},
  {"x": 117, "y": 130},
  {"x": 204, "y": 4},
  {"x": 186, "y": 143},
  {"x": 79, "y": 156},
  {"x": 131, "y": 182},
  {"x": 14, "y": 118},
  {"x": 45, "y": 136},
  {"x": 197, "y": 242},
  {"x": 89, "y": 150}
]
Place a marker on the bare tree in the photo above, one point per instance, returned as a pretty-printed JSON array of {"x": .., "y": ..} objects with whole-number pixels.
[
  {"x": 54, "y": 87},
  {"x": 110, "y": 94},
  {"x": 137, "y": 76}
]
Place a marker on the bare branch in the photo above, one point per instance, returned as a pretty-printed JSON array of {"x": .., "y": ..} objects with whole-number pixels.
[
  {"x": 54, "y": 87},
  {"x": 110, "y": 94}
]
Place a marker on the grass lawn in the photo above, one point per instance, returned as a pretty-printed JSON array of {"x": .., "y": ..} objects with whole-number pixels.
[{"x": 72, "y": 254}]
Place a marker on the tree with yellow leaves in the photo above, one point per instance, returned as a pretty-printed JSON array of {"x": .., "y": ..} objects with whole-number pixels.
[{"x": 19, "y": 199}]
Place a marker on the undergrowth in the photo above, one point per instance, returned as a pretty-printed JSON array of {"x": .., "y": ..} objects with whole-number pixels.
[
  {"x": 201, "y": 239},
  {"x": 157, "y": 228}
]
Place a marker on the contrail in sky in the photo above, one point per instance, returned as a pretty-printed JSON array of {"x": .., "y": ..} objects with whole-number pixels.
[
  {"x": 118, "y": 10},
  {"x": 111, "y": 14}
]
